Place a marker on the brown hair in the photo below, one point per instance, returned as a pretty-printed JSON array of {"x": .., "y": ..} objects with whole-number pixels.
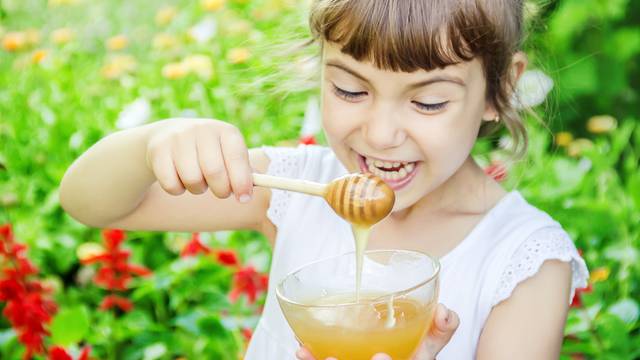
[{"x": 408, "y": 35}]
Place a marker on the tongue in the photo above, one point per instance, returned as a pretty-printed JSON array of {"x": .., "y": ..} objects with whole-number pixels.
[{"x": 392, "y": 169}]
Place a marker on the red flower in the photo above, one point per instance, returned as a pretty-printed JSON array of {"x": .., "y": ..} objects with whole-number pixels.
[
  {"x": 6, "y": 235},
  {"x": 115, "y": 272},
  {"x": 249, "y": 282},
  {"x": 194, "y": 247},
  {"x": 116, "y": 301},
  {"x": 497, "y": 170},
  {"x": 247, "y": 333},
  {"x": 59, "y": 353},
  {"x": 577, "y": 298},
  {"x": 227, "y": 257},
  {"x": 27, "y": 308},
  {"x": 84, "y": 354},
  {"x": 308, "y": 140}
]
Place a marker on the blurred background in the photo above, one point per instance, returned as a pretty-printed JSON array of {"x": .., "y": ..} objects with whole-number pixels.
[{"x": 72, "y": 71}]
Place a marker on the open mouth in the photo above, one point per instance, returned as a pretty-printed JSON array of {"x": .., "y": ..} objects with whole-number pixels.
[{"x": 397, "y": 174}]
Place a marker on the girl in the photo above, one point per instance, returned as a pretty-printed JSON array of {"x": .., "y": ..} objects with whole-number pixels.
[{"x": 407, "y": 87}]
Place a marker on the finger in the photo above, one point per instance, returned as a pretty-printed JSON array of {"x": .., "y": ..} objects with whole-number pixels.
[
  {"x": 185, "y": 156},
  {"x": 236, "y": 160},
  {"x": 445, "y": 324},
  {"x": 304, "y": 354},
  {"x": 381, "y": 356},
  {"x": 212, "y": 164},
  {"x": 162, "y": 166}
]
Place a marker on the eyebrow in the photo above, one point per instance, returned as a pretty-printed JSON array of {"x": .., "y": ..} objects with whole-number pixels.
[{"x": 439, "y": 78}]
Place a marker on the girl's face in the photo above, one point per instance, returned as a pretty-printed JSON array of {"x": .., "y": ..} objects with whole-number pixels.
[{"x": 414, "y": 130}]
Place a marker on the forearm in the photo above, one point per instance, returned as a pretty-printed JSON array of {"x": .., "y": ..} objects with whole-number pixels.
[{"x": 110, "y": 179}]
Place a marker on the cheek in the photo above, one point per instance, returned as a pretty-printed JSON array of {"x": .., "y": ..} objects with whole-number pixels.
[
  {"x": 338, "y": 118},
  {"x": 447, "y": 142}
]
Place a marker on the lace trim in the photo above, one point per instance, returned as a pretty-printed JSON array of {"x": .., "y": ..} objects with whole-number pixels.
[
  {"x": 284, "y": 162},
  {"x": 545, "y": 244}
]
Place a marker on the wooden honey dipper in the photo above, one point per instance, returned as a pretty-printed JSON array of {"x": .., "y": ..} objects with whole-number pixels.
[{"x": 361, "y": 199}]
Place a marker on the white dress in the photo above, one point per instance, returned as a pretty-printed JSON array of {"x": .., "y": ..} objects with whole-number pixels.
[{"x": 506, "y": 247}]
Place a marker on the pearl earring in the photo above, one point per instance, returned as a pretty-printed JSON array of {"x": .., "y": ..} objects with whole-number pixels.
[{"x": 497, "y": 118}]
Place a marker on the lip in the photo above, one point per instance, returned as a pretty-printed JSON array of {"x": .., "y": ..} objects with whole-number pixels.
[{"x": 394, "y": 184}]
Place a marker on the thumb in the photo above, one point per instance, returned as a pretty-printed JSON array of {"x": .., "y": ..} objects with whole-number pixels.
[{"x": 445, "y": 323}]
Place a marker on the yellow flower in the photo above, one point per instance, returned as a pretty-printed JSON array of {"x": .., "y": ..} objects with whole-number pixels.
[
  {"x": 164, "y": 41},
  {"x": 118, "y": 66},
  {"x": 62, "y": 36},
  {"x": 238, "y": 55},
  {"x": 32, "y": 36},
  {"x": 88, "y": 250},
  {"x": 174, "y": 71},
  {"x": 38, "y": 56},
  {"x": 200, "y": 65},
  {"x": 212, "y": 5},
  {"x": 578, "y": 146},
  {"x": 55, "y": 3},
  {"x": 237, "y": 27},
  {"x": 14, "y": 41},
  {"x": 165, "y": 15},
  {"x": 599, "y": 274},
  {"x": 117, "y": 42},
  {"x": 601, "y": 124},
  {"x": 563, "y": 138}
]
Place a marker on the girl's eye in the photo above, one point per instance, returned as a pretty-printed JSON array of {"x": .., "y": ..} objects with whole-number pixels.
[
  {"x": 348, "y": 95},
  {"x": 430, "y": 107}
]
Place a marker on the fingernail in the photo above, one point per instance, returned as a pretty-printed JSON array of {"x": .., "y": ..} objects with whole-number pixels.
[
  {"x": 244, "y": 198},
  {"x": 448, "y": 317}
]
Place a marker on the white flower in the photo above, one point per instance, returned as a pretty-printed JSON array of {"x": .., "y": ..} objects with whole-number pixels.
[
  {"x": 204, "y": 30},
  {"x": 134, "y": 114},
  {"x": 311, "y": 122},
  {"x": 531, "y": 90},
  {"x": 76, "y": 140},
  {"x": 626, "y": 309}
]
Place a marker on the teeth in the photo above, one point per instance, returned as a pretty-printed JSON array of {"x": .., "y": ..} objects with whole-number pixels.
[
  {"x": 376, "y": 168},
  {"x": 409, "y": 167}
]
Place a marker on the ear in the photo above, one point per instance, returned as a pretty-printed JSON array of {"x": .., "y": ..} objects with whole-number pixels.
[{"x": 518, "y": 65}]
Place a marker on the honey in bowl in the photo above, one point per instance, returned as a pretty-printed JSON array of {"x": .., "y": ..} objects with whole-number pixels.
[{"x": 391, "y": 314}]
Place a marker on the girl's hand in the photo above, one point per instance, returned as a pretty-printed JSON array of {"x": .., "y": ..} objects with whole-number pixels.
[
  {"x": 199, "y": 154},
  {"x": 445, "y": 324}
]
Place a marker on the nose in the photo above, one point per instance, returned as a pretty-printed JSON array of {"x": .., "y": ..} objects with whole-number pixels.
[{"x": 383, "y": 129}]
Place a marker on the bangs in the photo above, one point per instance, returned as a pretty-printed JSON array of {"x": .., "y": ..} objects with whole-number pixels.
[{"x": 405, "y": 35}]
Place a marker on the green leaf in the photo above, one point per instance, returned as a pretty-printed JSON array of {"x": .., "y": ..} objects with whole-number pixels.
[
  {"x": 211, "y": 326},
  {"x": 578, "y": 77},
  {"x": 70, "y": 326}
]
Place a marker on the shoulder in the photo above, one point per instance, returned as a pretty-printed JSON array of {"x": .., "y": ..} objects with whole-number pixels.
[
  {"x": 535, "y": 266},
  {"x": 531, "y": 238},
  {"x": 529, "y": 324}
]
